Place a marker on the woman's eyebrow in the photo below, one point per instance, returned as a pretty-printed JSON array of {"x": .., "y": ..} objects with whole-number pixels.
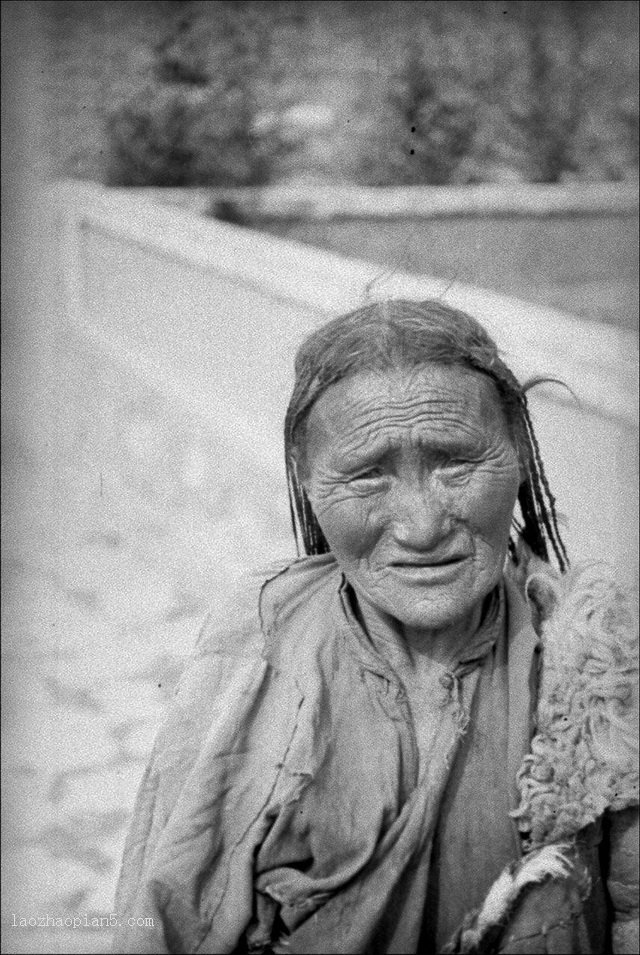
[
  {"x": 444, "y": 444},
  {"x": 357, "y": 460},
  {"x": 373, "y": 451}
]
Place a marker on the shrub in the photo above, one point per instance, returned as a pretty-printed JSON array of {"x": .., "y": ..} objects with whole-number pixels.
[
  {"x": 179, "y": 136},
  {"x": 437, "y": 122},
  {"x": 196, "y": 120},
  {"x": 516, "y": 90}
]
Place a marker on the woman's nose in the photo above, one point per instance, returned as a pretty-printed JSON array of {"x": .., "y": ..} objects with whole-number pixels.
[{"x": 422, "y": 515}]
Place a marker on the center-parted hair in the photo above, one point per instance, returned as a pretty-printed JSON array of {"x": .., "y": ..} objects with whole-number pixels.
[{"x": 396, "y": 334}]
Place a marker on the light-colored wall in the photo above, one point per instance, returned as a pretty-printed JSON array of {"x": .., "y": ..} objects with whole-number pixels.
[{"x": 215, "y": 313}]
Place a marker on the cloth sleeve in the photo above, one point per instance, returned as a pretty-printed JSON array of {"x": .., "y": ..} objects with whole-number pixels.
[{"x": 200, "y": 811}]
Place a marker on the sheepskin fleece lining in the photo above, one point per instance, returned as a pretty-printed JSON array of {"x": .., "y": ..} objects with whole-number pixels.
[{"x": 584, "y": 754}]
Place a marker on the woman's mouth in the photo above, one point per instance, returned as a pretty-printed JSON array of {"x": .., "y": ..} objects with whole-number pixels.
[
  {"x": 431, "y": 560},
  {"x": 425, "y": 569}
]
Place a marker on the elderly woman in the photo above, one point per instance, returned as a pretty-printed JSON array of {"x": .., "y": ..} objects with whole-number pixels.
[{"x": 420, "y": 736}]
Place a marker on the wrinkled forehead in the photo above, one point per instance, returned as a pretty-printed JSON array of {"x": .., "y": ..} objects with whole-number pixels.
[
  {"x": 440, "y": 399},
  {"x": 433, "y": 386}
]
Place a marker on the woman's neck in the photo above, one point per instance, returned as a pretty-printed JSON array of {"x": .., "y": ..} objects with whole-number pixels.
[{"x": 414, "y": 650}]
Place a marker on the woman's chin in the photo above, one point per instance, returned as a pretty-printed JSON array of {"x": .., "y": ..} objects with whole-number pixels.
[{"x": 438, "y": 606}]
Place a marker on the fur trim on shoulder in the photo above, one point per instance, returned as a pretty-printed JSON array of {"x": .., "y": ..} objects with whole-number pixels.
[{"x": 584, "y": 754}]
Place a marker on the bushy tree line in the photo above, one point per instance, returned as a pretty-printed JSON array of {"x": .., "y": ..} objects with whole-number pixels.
[
  {"x": 533, "y": 91},
  {"x": 195, "y": 118},
  {"x": 237, "y": 92}
]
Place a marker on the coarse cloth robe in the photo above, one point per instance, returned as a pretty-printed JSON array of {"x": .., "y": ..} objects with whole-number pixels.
[{"x": 285, "y": 807}]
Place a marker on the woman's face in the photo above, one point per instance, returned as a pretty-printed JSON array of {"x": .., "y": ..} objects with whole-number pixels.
[{"x": 413, "y": 477}]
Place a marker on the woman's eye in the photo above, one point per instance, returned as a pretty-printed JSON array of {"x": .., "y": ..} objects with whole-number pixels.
[
  {"x": 371, "y": 474},
  {"x": 459, "y": 462},
  {"x": 458, "y": 468}
]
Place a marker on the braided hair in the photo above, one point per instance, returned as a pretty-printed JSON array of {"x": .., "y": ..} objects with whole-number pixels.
[{"x": 397, "y": 333}]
